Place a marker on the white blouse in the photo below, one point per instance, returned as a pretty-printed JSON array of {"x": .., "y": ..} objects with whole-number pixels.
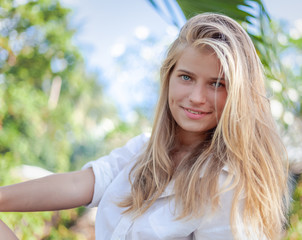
[{"x": 158, "y": 222}]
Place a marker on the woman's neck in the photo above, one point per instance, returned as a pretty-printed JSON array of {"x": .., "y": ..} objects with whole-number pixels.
[{"x": 185, "y": 143}]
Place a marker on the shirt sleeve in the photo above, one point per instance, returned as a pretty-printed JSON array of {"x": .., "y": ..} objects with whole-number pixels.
[{"x": 106, "y": 168}]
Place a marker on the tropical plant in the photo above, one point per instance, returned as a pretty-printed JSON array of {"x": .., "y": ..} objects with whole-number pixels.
[{"x": 49, "y": 104}]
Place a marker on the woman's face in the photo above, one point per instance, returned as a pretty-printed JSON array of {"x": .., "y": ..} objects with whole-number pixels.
[{"x": 196, "y": 94}]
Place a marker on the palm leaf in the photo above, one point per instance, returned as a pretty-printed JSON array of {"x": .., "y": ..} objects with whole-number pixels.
[
  {"x": 230, "y": 8},
  {"x": 240, "y": 10}
]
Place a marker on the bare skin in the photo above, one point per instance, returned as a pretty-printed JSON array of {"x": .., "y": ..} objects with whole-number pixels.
[
  {"x": 197, "y": 95},
  {"x": 6, "y": 233},
  {"x": 54, "y": 192}
]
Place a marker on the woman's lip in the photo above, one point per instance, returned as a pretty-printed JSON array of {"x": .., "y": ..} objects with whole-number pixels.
[
  {"x": 195, "y": 111},
  {"x": 194, "y": 114}
]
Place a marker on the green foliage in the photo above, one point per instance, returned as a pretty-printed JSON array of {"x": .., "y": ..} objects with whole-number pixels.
[
  {"x": 34, "y": 125},
  {"x": 295, "y": 229},
  {"x": 287, "y": 48},
  {"x": 49, "y": 105},
  {"x": 236, "y": 9},
  {"x": 277, "y": 50}
]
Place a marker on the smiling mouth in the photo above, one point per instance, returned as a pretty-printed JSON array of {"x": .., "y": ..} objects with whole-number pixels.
[{"x": 195, "y": 112}]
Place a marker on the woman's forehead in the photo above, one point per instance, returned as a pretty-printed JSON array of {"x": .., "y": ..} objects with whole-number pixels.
[{"x": 190, "y": 53}]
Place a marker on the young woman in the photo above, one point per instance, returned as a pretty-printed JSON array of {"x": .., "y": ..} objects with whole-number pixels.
[{"x": 214, "y": 166}]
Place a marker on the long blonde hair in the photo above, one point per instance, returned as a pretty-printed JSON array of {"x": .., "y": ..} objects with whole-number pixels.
[{"x": 245, "y": 140}]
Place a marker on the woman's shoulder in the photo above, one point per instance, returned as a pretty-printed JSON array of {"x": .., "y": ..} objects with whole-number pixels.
[
  {"x": 136, "y": 143},
  {"x": 141, "y": 138}
]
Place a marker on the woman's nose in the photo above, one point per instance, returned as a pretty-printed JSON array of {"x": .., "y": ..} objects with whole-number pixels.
[{"x": 198, "y": 94}]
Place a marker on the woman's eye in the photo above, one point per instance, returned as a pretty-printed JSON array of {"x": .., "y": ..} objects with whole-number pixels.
[
  {"x": 185, "y": 77},
  {"x": 217, "y": 84}
]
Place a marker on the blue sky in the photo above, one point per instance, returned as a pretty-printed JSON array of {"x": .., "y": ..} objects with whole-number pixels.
[{"x": 102, "y": 24}]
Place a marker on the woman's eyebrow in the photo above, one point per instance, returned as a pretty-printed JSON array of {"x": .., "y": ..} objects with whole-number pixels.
[{"x": 185, "y": 71}]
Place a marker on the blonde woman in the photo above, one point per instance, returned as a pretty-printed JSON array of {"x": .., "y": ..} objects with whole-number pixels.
[{"x": 214, "y": 166}]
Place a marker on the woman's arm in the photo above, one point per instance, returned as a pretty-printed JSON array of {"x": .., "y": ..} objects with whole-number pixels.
[
  {"x": 54, "y": 192},
  {"x": 6, "y": 233}
]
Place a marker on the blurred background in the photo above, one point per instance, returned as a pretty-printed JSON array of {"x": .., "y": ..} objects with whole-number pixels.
[{"x": 79, "y": 78}]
